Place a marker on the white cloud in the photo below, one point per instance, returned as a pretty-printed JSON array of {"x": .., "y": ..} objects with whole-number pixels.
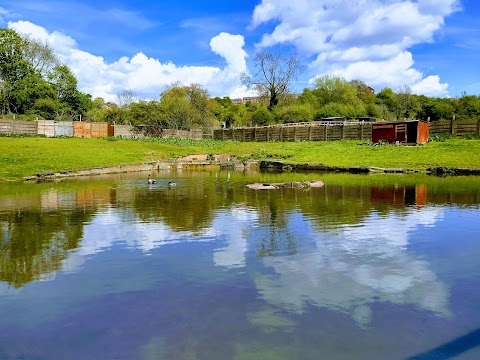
[
  {"x": 366, "y": 40},
  {"x": 145, "y": 75},
  {"x": 430, "y": 86},
  {"x": 370, "y": 264}
]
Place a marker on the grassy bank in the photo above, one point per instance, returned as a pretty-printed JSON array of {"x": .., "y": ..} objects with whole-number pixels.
[{"x": 24, "y": 156}]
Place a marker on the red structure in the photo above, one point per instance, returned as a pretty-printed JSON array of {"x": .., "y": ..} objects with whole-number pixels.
[{"x": 406, "y": 132}]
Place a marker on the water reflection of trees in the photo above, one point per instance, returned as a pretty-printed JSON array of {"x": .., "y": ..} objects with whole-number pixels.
[
  {"x": 39, "y": 229},
  {"x": 34, "y": 244}
]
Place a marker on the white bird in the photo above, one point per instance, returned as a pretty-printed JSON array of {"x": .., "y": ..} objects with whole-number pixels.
[{"x": 172, "y": 183}]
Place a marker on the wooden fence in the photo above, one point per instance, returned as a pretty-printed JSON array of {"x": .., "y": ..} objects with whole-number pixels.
[
  {"x": 18, "y": 127},
  {"x": 51, "y": 128},
  {"x": 299, "y": 132},
  {"x": 313, "y": 131},
  {"x": 333, "y": 131},
  {"x": 455, "y": 127}
]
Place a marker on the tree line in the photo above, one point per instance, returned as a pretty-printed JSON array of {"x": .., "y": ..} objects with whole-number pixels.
[{"x": 35, "y": 84}]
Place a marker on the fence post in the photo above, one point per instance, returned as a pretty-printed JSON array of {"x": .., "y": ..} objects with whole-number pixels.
[
  {"x": 326, "y": 131},
  {"x": 343, "y": 131},
  {"x": 268, "y": 128},
  {"x": 281, "y": 133},
  {"x": 478, "y": 127},
  {"x": 361, "y": 131},
  {"x": 309, "y": 133},
  {"x": 294, "y": 133},
  {"x": 243, "y": 134},
  {"x": 452, "y": 131},
  {"x": 255, "y": 134}
]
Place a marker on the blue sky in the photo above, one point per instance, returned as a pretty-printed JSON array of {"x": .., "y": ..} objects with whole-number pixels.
[{"x": 433, "y": 46}]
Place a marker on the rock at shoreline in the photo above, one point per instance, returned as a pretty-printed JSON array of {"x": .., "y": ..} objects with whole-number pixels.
[{"x": 287, "y": 184}]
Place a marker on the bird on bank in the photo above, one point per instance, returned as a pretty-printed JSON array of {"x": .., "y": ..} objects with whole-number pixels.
[
  {"x": 150, "y": 180},
  {"x": 170, "y": 183}
]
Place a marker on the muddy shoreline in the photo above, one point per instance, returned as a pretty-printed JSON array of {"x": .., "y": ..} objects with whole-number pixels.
[{"x": 202, "y": 162}]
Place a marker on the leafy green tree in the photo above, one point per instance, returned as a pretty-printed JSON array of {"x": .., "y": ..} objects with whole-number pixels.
[
  {"x": 293, "y": 113},
  {"x": 407, "y": 104},
  {"x": 262, "y": 116},
  {"x": 187, "y": 107},
  {"x": 336, "y": 97},
  {"x": 330, "y": 88},
  {"x": 14, "y": 68},
  {"x": 364, "y": 92},
  {"x": 468, "y": 107},
  {"x": 386, "y": 102}
]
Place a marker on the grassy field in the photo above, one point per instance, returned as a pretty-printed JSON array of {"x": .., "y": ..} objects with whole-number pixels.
[{"x": 25, "y": 156}]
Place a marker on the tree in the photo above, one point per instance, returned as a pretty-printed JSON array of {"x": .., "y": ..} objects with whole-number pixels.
[
  {"x": 261, "y": 116},
  {"x": 293, "y": 114},
  {"x": 274, "y": 75},
  {"x": 337, "y": 97},
  {"x": 407, "y": 104},
  {"x": 40, "y": 55},
  {"x": 186, "y": 107},
  {"x": 126, "y": 97},
  {"x": 13, "y": 69}
]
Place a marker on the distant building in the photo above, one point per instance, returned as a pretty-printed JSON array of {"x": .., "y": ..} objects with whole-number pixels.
[{"x": 260, "y": 99}]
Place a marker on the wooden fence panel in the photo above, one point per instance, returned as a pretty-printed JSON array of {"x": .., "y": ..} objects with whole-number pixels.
[
  {"x": 317, "y": 133},
  {"x": 82, "y": 129},
  {"x": 101, "y": 130},
  {"x": 463, "y": 127},
  {"x": 352, "y": 132},
  {"x": 439, "y": 127},
  {"x": 124, "y": 131},
  {"x": 6, "y": 126},
  {"x": 274, "y": 133},
  {"x": 24, "y": 127},
  {"x": 46, "y": 127},
  {"x": 64, "y": 128},
  {"x": 18, "y": 127},
  {"x": 248, "y": 134},
  {"x": 237, "y": 134},
  {"x": 301, "y": 133}
]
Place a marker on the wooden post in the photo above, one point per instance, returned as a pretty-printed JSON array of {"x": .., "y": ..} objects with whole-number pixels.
[
  {"x": 343, "y": 131},
  {"x": 243, "y": 134},
  {"x": 310, "y": 132},
  {"x": 294, "y": 133},
  {"x": 452, "y": 130},
  {"x": 326, "y": 131},
  {"x": 361, "y": 131},
  {"x": 281, "y": 133},
  {"x": 478, "y": 127},
  {"x": 255, "y": 133},
  {"x": 268, "y": 128}
]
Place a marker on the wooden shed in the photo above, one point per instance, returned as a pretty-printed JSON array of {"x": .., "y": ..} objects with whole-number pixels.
[{"x": 406, "y": 132}]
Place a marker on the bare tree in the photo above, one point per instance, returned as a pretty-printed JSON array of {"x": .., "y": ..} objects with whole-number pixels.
[
  {"x": 126, "y": 97},
  {"x": 41, "y": 55},
  {"x": 274, "y": 75}
]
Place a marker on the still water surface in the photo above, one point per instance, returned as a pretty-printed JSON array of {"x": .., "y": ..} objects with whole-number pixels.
[{"x": 367, "y": 267}]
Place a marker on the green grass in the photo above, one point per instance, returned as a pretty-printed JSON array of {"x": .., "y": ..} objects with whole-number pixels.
[{"x": 25, "y": 156}]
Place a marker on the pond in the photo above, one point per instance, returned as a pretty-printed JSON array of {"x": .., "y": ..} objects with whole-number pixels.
[{"x": 366, "y": 267}]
